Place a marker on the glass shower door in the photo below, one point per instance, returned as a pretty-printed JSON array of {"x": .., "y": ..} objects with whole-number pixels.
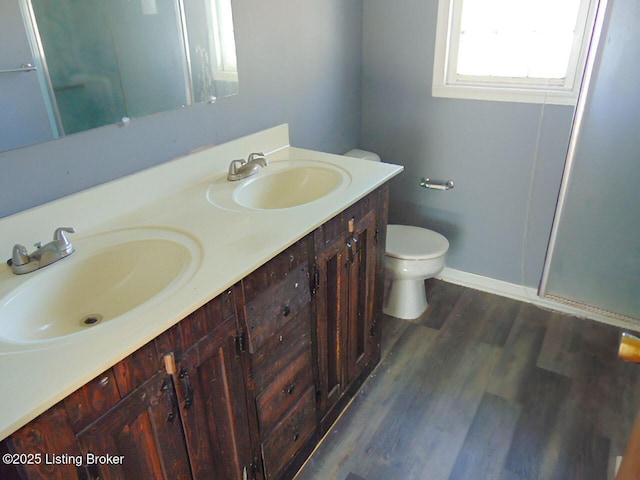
[
  {"x": 594, "y": 258},
  {"x": 26, "y": 119}
]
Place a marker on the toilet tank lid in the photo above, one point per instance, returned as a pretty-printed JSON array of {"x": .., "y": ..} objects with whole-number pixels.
[
  {"x": 363, "y": 154},
  {"x": 415, "y": 243}
]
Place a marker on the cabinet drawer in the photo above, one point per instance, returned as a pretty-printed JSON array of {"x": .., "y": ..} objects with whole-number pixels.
[
  {"x": 290, "y": 435},
  {"x": 281, "y": 349},
  {"x": 281, "y": 394},
  {"x": 276, "y": 270},
  {"x": 279, "y": 304}
]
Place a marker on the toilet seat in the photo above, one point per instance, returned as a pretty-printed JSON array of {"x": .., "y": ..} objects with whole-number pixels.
[{"x": 414, "y": 243}]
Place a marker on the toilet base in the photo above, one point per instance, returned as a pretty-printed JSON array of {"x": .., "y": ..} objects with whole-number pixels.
[{"x": 407, "y": 299}]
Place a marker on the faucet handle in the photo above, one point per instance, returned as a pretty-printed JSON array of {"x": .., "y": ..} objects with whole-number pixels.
[
  {"x": 256, "y": 155},
  {"x": 235, "y": 165},
  {"x": 19, "y": 255},
  {"x": 60, "y": 237}
]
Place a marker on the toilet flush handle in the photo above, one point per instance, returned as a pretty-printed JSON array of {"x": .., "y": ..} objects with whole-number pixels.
[{"x": 436, "y": 184}]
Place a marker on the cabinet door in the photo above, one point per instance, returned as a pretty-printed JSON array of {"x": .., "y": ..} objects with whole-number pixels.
[
  {"x": 332, "y": 309},
  {"x": 210, "y": 383},
  {"x": 141, "y": 434},
  {"x": 348, "y": 298},
  {"x": 362, "y": 268}
]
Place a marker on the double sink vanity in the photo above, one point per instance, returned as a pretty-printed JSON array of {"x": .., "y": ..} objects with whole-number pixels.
[{"x": 202, "y": 328}]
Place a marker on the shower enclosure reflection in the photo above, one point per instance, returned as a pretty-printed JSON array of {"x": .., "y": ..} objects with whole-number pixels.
[{"x": 103, "y": 60}]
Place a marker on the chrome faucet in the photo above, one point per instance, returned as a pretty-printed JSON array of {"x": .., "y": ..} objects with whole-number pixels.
[
  {"x": 23, "y": 262},
  {"x": 239, "y": 169}
]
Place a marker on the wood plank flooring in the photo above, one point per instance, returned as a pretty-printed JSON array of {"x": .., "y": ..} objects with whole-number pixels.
[{"x": 484, "y": 387}]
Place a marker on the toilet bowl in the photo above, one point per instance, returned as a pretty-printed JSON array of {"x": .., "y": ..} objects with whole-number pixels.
[{"x": 413, "y": 254}]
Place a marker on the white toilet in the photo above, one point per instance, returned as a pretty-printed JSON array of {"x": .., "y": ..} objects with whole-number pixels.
[{"x": 413, "y": 254}]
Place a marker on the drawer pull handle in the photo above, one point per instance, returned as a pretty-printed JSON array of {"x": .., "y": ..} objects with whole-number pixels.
[
  {"x": 286, "y": 310},
  {"x": 296, "y": 436},
  {"x": 290, "y": 389}
]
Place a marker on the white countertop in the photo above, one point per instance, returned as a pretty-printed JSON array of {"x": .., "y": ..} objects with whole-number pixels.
[{"x": 229, "y": 244}]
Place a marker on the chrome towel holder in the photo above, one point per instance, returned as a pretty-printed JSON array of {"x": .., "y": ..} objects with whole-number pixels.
[
  {"x": 25, "y": 67},
  {"x": 436, "y": 184}
]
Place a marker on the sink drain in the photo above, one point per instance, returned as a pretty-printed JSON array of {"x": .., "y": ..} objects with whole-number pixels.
[{"x": 92, "y": 319}]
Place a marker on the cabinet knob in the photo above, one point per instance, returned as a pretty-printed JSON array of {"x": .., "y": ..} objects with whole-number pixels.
[
  {"x": 296, "y": 436},
  {"x": 290, "y": 389},
  {"x": 287, "y": 309}
]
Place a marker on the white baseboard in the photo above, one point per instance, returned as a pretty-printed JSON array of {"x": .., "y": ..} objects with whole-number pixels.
[{"x": 529, "y": 295}]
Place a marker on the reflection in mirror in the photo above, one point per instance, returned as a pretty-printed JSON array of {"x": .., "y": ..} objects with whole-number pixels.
[{"x": 100, "y": 61}]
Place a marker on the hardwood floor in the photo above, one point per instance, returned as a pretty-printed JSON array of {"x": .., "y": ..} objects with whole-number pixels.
[{"x": 484, "y": 387}]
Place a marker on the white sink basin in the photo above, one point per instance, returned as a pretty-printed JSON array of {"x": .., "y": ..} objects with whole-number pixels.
[
  {"x": 281, "y": 184},
  {"x": 108, "y": 276}
]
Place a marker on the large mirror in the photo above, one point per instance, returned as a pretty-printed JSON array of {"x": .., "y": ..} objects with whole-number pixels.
[{"x": 99, "y": 62}]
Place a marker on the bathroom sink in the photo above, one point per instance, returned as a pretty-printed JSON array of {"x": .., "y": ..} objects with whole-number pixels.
[
  {"x": 110, "y": 275},
  {"x": 288, "y": 188},
  {"x": 282, "y": 184}
]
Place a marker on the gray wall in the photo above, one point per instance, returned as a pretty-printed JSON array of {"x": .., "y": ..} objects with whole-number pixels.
[
  {"x": 299, "y": 62},
  {"x": 487, "y": 148}
]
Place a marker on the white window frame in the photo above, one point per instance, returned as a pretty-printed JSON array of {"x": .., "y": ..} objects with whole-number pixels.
[
  {"x": 447, "y": 83},
  {"x": 222, "y": 42}
]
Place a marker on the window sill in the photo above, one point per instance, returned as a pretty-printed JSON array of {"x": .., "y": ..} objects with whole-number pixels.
[{"x": 497, "y": 94}]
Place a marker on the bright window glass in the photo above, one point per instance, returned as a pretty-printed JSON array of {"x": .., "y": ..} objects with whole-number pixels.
[{"x": 512, "y": 50}]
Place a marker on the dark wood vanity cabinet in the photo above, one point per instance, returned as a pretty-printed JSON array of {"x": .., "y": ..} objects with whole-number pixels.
[{"x": 243, "y": 387}]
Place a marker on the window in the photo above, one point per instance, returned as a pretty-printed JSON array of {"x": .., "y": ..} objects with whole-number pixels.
[
  {"x": 224, "y": 41},
  {"x": 512, "y": 50}
]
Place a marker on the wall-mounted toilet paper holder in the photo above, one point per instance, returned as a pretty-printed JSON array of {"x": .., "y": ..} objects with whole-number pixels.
[{"x": 436, "y": 184}]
